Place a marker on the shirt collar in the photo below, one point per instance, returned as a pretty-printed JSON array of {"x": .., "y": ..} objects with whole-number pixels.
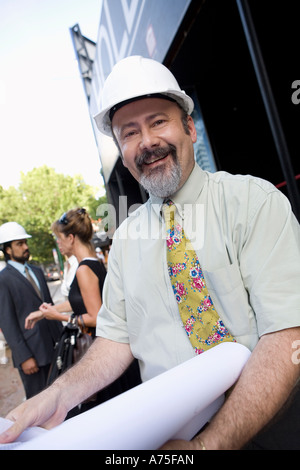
[
  {"x": 187, "y": 194},
  {"x": 19, "y": 266}
]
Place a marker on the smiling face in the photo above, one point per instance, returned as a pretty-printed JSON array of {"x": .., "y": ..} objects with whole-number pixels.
[{"x": 156, "y": 147}]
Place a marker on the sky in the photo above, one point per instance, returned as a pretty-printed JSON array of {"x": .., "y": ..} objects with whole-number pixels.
[{"x": 44, "y": 118}]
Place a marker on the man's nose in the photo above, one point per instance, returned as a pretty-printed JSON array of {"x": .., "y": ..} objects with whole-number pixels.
[{"x": 149, "y": 139}]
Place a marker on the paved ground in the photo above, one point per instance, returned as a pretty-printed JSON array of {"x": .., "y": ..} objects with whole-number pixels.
[{"x": 11, "y": 388}]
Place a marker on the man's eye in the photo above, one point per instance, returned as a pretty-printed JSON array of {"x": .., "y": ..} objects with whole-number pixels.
[
  {"x": 129, "y": 134},
  {"x": 158, "y": 122}
]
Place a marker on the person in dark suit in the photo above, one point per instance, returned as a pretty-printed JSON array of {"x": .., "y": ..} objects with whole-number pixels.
[{"x": 22, "y": 290}]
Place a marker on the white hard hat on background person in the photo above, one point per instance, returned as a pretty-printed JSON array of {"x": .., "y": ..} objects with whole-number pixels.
[
  {"x": 135, "y": 77},
  {"x": 11, "y": 231}
]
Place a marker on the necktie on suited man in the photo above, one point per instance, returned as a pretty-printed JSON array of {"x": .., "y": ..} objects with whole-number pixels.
[{"x": 32, "y": 281}]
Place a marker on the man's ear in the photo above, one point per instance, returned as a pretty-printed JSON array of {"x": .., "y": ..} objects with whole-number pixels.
[
  {"x": 192, "y": 129},
  {"x": 8, "y": 250}
]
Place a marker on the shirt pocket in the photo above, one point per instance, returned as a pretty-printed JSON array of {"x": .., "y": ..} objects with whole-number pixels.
[{"x": 230, "y": 298}]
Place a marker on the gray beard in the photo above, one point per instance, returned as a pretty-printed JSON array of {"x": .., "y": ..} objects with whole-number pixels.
[{"x": 160, "y": 184}]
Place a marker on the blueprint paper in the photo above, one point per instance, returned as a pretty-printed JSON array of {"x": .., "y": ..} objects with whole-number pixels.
[{"x": 175, "y": 404}]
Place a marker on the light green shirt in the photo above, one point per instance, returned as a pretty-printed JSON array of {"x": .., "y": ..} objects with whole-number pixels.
[{"x": 248, "y": 244}]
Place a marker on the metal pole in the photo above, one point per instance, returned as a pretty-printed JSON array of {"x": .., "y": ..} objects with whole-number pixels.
[{"x": 270, "y": 105}]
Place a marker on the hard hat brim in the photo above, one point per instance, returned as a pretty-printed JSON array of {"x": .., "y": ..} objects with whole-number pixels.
[
  {"x": 13, "y": 239},
  {"x": 103, "y": 121}
]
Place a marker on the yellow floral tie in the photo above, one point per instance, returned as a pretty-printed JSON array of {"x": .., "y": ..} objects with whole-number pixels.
[{"x": 202, "y": 323}]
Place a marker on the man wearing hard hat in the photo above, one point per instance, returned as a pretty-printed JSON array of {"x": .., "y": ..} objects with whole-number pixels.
[
  {"x": 22, "y": 290},
  {"x": 246, "y": 242}
]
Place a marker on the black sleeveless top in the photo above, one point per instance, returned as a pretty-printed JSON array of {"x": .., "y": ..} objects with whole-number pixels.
[
  {"x": 75, "y": 297},
  {"x": 131, "y": 377}
]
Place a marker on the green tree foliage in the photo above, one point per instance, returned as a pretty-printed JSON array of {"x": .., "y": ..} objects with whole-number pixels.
[{"x": 42, "y": 197}]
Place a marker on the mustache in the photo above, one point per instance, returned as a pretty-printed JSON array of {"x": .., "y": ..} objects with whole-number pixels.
[{"x": 159, "y": 152}]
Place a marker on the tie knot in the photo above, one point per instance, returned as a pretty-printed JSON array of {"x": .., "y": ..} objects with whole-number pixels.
[{"x": 169, "y": 210}]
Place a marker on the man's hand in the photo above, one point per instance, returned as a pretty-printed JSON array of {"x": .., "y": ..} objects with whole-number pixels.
[
  {"x": 45, "y": 410},
  {"x": 30, "y": 366},
  {"x": 180, "y": 444}
]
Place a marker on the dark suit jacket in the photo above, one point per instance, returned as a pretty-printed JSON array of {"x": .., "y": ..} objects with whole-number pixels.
[{"x": 17, "y": 299}]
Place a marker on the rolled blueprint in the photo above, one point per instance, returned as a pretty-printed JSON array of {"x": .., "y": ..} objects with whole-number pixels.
[{"x": 175, "y": 404}]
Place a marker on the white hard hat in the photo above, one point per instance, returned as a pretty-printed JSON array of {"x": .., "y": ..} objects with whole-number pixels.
[
  {"x": 11, "y": 231},
  {"x": 135, "y": 77}
]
